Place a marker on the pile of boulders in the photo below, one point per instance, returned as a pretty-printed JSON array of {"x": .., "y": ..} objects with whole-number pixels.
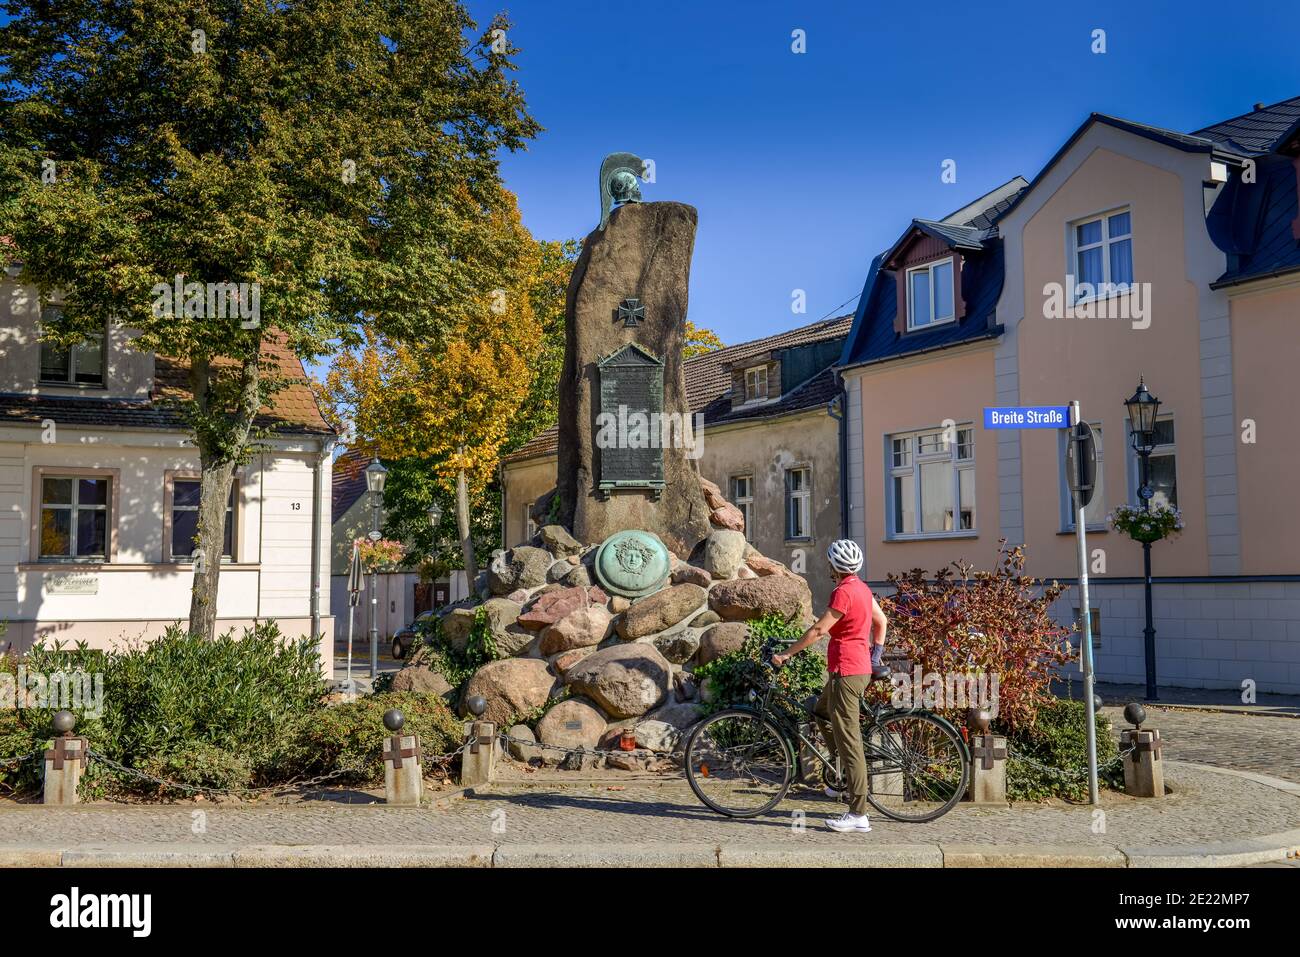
[{"x": 615, "y": 664}]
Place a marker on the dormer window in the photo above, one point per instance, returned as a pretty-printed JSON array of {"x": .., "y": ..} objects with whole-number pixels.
[
  {"x": 930, "y": 299},
  {"x": 756, "y": 383},
  {"x": 1103, "y": 254},
  {"x": 81, "y": 364}
]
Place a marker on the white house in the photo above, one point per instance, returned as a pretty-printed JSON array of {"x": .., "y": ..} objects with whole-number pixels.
[{"x": 98, "y": 495}]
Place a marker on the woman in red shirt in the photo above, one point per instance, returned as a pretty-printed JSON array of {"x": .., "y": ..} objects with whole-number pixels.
[{"x": 856, "y": 626}]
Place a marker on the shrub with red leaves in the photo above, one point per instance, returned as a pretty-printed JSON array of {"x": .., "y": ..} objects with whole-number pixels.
[{"x": 989, "y": 623}]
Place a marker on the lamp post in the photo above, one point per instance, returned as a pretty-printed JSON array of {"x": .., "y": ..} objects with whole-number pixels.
[
  {"x": 1142, "y": 408},
  {"x": 376, "y": 475},
  {"x": 435, "y": 519}
]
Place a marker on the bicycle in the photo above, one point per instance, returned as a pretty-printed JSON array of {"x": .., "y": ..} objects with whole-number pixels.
[{"x": 742, "y": 760}]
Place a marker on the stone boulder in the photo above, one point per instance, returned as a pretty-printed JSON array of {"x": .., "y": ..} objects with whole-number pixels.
[
  {"x": 556, "y": 602},
  {"x": 763, "y": 566},
  {"x": 423, "y": 680},
  {"x": 661, "y": 610},
  {"x": 693, "y": 574},
  {"x": 519, "y": 744},
  {"x": 658, "y": 736},
  {"x": 627, "y": 680},
  {"x": 729, "y": 517},
  {"x": 457, "y": 621},
  {"x": 585, "y": 626},
  {"x": 705, "y": 618},
  {"x": 680, "y": 716},
  {"x": 722, "y": 639},
  {"x": 678, "y": 646},
  {"x": 576, "y": 577},
  {"x": 743, "y": 599},
  {"x": 562, "y": 662},
  {"x": 515, "y": 641},
  {"x": 501, "y": 614},
  {"x": 524, "y": 566},
  {"x": 713, "y": 496},
  {"x": 541, "y": 510},
  {"x": 573, "y": 723},
  {"x": 559, "y": 541},
  {"x": 511, "y": 686},
  {"x": 724, "y": 550},
  {"x": 684, "y": 686}
]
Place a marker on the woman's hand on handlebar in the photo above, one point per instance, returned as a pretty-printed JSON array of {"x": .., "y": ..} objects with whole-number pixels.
[{"x": 778, "y": 661}]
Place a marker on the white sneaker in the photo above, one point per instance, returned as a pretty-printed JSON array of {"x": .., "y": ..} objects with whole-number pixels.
[
  {"x": 849, "y": 822},
  {"x": 831, "y": 792}
]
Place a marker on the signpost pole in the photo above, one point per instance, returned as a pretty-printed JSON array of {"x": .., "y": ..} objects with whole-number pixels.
[{"x": 1085, "y": 615}]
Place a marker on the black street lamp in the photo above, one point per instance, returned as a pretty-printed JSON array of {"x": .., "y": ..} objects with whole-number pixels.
[
  {"x": 376, "y": 475},
  {"x": 1142, "y": 408}
]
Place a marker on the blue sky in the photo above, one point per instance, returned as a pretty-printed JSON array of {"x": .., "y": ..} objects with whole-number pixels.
[{"x": 804, "y": 166}]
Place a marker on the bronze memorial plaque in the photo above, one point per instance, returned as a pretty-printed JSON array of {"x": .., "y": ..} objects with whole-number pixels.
[{"x": 628, "y": 428}]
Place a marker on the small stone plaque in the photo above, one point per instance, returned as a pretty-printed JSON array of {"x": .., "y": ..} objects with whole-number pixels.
[
  {"x": 72, "y": 583},
  {"x": 573, "y": 726}
]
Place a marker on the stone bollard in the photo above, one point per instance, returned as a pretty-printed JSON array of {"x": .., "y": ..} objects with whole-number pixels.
[
  {"x": 478, "y": 760},
  {"x": 1144, "y": 772},
  {"x": 403, "y": 774},
  {"x": 988, "y": 770},
  {"x": 890, "y": 783},
  {"x": 64, "y": 761}
]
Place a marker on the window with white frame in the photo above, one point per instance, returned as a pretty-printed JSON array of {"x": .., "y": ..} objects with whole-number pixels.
[
  {"x": 1103, "y": 253},
  {"x": 80, "y": 364},
  {"x": 1095, "y": 513},
  {"x": 742, "y": 496},
  {"x": 756, "y": 383},
  {"x": 798, "y": 502},
  {"x": 1164, "y": 466},
  {"x": 530, "y": 527},
  {"x": 931, "y": 482},
  {"x": 185, "y": 520},
  {"x": 74, "y": 517},
  {"x": 930, "y": 295}
]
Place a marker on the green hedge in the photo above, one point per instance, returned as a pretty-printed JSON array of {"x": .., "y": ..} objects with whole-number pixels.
[
  {"x": 1058, "y": 740},
  {"x": 227, "y": 713}
]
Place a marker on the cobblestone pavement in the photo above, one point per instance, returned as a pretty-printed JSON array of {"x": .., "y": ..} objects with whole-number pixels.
[
  {"x": 1206, "y": 807},
  {"x": 1244, "y": 742}
]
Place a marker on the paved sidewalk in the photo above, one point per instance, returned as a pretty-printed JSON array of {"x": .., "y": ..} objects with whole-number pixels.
[
  {"x": 1244, "y": 742},
  {"x": 1214, "y": 817},
  {"x": 1209, "y": 699}
]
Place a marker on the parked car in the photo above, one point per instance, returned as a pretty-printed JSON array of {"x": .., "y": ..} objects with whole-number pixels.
[{"x": 410, "y": 635}]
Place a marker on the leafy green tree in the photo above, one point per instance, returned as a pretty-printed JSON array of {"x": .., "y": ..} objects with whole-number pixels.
[{"x": 339, "y": 158}]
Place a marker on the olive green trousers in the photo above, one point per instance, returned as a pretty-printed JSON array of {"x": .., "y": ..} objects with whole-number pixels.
[{"x": 840, "y": 705}]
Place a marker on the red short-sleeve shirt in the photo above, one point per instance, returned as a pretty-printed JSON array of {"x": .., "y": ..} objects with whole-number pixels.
[{"x": 849, "y": 651}]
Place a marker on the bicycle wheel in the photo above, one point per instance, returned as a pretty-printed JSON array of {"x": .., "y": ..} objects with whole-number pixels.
[
  {"x": 924, "y": 769},
  {"x": 738, "y": 763}
]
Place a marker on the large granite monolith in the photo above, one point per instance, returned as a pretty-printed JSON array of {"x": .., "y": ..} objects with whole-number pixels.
[{"x": 643, "y": 254}]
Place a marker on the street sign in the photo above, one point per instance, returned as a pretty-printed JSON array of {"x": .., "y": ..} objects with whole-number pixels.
[
  {"x": 1081, "y": 463},
  {"x": 356, "y": 581},
  {"x": 1081, "y": 469},
  {"x": 1027, "y": 417}
]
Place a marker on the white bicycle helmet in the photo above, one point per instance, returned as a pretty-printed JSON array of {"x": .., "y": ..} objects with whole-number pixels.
[{"x": 845, "y": 556}]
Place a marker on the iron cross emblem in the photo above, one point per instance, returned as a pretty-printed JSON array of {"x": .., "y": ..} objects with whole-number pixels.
[{"x": 631, "y": 311}]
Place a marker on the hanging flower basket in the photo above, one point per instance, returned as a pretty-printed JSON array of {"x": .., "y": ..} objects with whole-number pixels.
[
  {"x": 380, "y": 555},
  {"x": 1162, "y": 521}
]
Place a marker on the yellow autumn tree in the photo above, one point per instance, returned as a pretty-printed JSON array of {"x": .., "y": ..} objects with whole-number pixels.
[
  {"x": 698, "y": 340},
  {"x": 449, "y": 400}
]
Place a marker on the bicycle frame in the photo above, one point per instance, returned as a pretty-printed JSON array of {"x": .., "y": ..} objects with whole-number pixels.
[{"x": 793, "y": 731}]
